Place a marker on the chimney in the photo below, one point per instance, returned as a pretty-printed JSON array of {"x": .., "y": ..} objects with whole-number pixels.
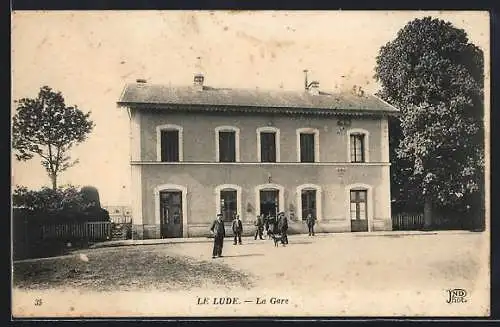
[
  {"x": 199, "y": 78},
  {"x": 198, "y": 81},
  {"x": 305, "y": 82},
  {"x": 313, "y": 88},
  {"x": 357, "y": 90}
]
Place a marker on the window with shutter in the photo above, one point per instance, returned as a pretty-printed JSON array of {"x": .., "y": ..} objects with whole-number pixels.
[
  {"x": 307, "y": 147},
  {"x": 268, "y": 146},
  {"x": 170, "y": 146},
  {"x": 227, "y": 146}
]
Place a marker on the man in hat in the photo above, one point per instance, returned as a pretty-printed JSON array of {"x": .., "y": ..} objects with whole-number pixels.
[
  {"x": 259, "y": 225},
  {"x": 283, "y": 227},
  {"x": 237, "y": 229},
  {"x": 218, "y": 231},
  {"x": 310, "y": 220}
]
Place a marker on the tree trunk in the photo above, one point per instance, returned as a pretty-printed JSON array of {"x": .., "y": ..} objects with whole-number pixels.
[
  {"x": 53, "y": 178},
  {"x": 427, "y": 213}
]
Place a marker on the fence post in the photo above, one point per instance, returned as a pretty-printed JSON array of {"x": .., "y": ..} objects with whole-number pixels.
[{"x": 86, "y": 227}]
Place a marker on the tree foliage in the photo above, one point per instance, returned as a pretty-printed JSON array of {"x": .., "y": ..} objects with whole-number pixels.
[
  {"x": 46, "y": 127},
  {"x": 434, "y": 75}
]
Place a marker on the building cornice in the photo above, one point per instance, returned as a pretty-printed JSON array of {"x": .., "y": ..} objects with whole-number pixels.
[{"x": 255, "y": 109}]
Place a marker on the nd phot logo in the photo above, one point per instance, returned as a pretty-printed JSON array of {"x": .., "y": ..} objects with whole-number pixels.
[{"x": 456, "y": 295}]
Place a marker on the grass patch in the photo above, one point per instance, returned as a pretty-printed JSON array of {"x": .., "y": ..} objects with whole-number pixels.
[{"x": 119, "y": 269}]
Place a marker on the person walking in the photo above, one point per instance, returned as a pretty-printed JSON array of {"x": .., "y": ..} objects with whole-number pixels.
[
  {"x": 237, "y": 229},
  {"x": 219, "y": 233},
  {"x": 283, "y": 227},
  {"x": 310, "y": 220},
  {"x": 259, "y": 225}
]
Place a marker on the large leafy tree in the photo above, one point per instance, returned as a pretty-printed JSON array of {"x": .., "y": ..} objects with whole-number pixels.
[
  {"x": 435, "y": 76},
  {"x": 46, "y": 127}
]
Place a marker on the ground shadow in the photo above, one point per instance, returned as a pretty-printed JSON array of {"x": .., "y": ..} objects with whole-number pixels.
[
  {"x": 243, "y": 255},
  {"x": 395, "y": 235},
  {"x": 299, "y": 242}
]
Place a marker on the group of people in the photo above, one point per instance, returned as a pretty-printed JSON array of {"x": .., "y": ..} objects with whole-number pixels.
[{"x": 272, "y": 226}]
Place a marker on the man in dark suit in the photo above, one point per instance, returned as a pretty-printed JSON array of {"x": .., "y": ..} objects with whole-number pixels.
[
  {"x": 237, "y": 229},
  {"x": 283, "y": 227},
  {"x": 259, "y": 224},
  {"x": 310, "y": 220},
  {"x": 218, "y": 231}
]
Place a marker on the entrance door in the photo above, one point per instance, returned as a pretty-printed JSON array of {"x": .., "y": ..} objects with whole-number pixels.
[
  {"x": 269, "y": 204},
  {"x": 171, "y": 214},
  {"x": 359, "y": 216}
]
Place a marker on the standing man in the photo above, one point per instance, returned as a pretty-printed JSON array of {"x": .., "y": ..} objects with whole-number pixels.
[
  {"x": 283, "y": 227},
  {"x": 237, "y": 229},
  {"x": 259, "y": 225},
  {"x": 266, "y": 226},
  {"x": 310, "y": 220},
  {"x": 219, "y": 233}
]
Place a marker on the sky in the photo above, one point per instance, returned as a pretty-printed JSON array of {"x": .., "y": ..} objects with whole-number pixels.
[{"x": 90, "y": 56}]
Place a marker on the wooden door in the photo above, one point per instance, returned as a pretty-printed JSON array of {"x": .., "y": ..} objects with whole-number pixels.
[
  {"x": 359, "y": 214},
  {"x": 269, "y": 202},
  {"x": 171, "y": 214}
]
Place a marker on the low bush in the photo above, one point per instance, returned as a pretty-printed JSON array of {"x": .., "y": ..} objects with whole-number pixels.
[{"x": 66, "y": 204}]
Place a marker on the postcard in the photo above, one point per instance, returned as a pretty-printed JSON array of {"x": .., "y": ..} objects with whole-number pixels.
[{"x": 250, "y": 164}]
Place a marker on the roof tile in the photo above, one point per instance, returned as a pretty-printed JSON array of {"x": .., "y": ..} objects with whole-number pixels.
[{"x": 145, "y": 93}]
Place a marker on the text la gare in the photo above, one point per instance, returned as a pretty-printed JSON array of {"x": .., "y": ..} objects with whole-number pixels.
[{"x": 235, "y": 300}]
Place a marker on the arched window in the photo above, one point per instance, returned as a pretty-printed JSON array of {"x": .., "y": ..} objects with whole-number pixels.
[
  {"x": 169, "y": 143},
  {"x": 268, "y": 144},
  {"x": 228, "y": 201},
  {"x": 307, "y": 145},
  {"x": 227, "y": 144},
  {"x": 309, "y": 201},
  {"x": 358, "y": 145}
]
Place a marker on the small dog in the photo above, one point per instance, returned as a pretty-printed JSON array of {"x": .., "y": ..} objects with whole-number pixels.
[
  {"x": 276, "y": 238},
  {"x": 269, "y": 234}
]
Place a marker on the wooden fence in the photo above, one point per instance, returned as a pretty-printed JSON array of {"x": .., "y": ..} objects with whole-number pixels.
[
  {"x": 91, "y": 231},
  {"x": 408, "y": 221},
  {"x": 121, "y": 219}
]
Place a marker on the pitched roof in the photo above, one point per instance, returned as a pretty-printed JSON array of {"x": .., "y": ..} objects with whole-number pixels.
[{"x": 153, "y": 95}]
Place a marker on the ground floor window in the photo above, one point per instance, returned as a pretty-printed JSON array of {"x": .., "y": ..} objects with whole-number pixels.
[
  {"x": 358, "y": 205},
  {"x": 228, "y": 204},
  {"x": 308, "y": 198}
]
